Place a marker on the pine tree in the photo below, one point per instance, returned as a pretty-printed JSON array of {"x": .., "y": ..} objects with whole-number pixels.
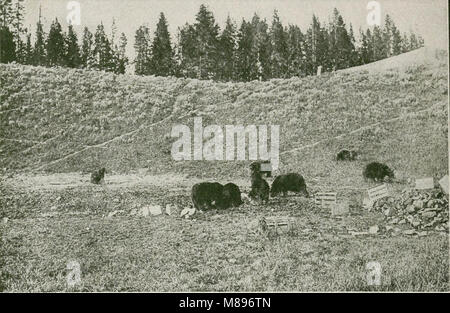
[
  {"x": 72, "y": 57},
  {"x": 354, "y": 60},
  {"x": 244, "y": 56},
  {"x": 387, "y": 34},
  {"x": 187, "y": 52},
  {"x": 162, "y": 63},
  {"x": 7, "y": 45},
  {"x": 55, "y": 46},
  {"x": 295, "y": 66},
  {"x": 103, "y": 54},
  {"x": 413, "y": 42},
  {"x": 365, "y": 50},
  {"x": 122, "y": 60},
  {"x": 397, "y": 44},
  {"x": 119, "y": 60},
  {"x": 113, "y": 33},
  {"x": 378, "y": 46},
  {"x": 420, "y": 41},
  {"x": 7, "y": 38},
  {"x": 87, "y": 54},
  {"x": 6, "y": 13},
  {"x": 18, "y": 30},
  {"x": 405, "y": 43},
  {"x": 207, "y": 32},
  {"x": 227, "y": 60},
  {"x": 39, "y": 55},
  {"x": 279, "y": 51},
  {"x": 143, "y": 51},
  {"x": 317, "y": 48},
  {"x": 261, "y": 50},
  {"x": 28, "y": 54},
  {"x": 341, "y": 46}
]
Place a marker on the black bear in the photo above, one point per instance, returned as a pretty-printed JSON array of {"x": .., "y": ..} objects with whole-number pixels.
[
  {"x": 378, "y": 171},
  {"x": 98, "y": 176},
  {"x": 206, "y": 196},
  {"x": 346, "y": 155},
  {"x": 231, "y": 196},
  {"x": 260, "y": 188},
  {"x": 288, "y": 182}
]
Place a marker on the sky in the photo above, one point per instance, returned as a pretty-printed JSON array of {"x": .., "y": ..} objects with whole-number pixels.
[{"x": 425, "y": 17}]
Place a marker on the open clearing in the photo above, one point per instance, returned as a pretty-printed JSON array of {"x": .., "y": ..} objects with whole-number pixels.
[{"x": 214, "y": 251}]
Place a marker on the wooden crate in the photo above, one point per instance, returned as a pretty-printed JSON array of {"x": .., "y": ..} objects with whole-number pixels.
[
  {"x": 444, "y": 184},
  {"x": 424, "y": 183},
  {"x": 378, "y": 192},
  {"x": 325, "y": 200},
  {"x": 277, "y": 224}
]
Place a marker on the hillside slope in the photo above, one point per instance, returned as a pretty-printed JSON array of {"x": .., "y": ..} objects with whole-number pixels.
[{"x": 65, "y": 120}]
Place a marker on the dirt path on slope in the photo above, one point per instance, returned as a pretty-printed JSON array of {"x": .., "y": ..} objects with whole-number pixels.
[{"x": 140, "y": 178}]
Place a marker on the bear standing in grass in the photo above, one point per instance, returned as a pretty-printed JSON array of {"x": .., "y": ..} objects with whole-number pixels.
[
  {"x": 260, "y": 188},
  {"x": 346, "y": 155},
  {"x": 206, "y": 196},
  {"x": 378, "y": 172},
  {"x": 288, "y": 182},
  {"x": 98, "y": 176},
  {"x": 231, "y": 195}
]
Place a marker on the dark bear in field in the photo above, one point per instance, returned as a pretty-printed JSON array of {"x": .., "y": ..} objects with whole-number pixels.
[
  {"x": 288, "y": 182},
  {"x": 346, "y": 155},
  {"x": 231, "y": 196},
  {"x": 206, "y": 196},
  {"x": 98, "y": 176},
  {"x": 260, "y": 188},
  {"x": 378, "y": 171}
]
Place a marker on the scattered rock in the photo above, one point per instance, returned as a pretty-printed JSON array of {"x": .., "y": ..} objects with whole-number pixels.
[
  {"x": 418, "y": 204},
  {"x": 389, "y": 212},
  {"x": 409, "y": 232},
  {"x": 374, "y": 229},
  {"x": 423, "y": 233},
  {"x": 429, "y": 214},
  {"x": 168, "y": 209},
  {"x": 415, "y": 224},
  {"x": 155, "y": 209},
  {"x": 111, "y": 214},
  {"x": 187, "y": 212},
  {"x": 418, "y": 209},
  {"x": 410, "y": 208},
  {"x": 367, "y": 203},
  {"x": 145, "y": 212}
]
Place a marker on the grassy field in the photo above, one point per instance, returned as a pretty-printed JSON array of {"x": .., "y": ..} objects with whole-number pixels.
[
  {"x": 215, "y": 251},
  {"x": 57, "y": 124}
]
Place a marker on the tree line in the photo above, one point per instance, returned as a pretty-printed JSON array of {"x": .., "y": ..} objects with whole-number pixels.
[
  {"x": 98, "y": 51},
  {"x": 254, "y": 50}
]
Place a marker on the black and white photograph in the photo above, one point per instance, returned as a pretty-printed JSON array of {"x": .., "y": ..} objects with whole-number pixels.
[{"x": 224, "y": 146}]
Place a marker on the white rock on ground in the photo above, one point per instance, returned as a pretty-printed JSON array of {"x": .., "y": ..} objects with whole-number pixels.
[
  {"x": 155, "y": 209},
  {"x": 187, "y": 212},
  {"x": 145, "y": 211},
  {"x": 168, "y": 209}
]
